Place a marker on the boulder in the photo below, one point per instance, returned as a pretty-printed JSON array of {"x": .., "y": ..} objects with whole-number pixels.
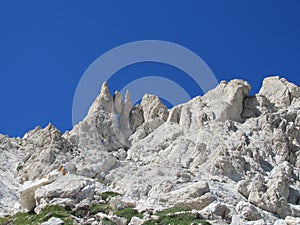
[
  {"x": 53, "y": 221},
  {"x": 153, "y": 108},
  {"x": 248, "y": 211},
  {"x": 70, "y": 187},
  {"x": 278, "y": 91},
  {"x": 120, "y": 202},
  {"x": 27, "y": 192},
  {"x": 218, "y": 210},
  {"x": 226, "y": 100},
  {"x": 197, "y": 203},
  {"x": 292, "y": 220},
  {"x": 136, "y": 221},
  {"x": 190, "y": 192}
]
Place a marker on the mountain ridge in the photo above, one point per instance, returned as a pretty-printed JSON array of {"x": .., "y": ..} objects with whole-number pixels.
[{"x": 232, "y": 157}]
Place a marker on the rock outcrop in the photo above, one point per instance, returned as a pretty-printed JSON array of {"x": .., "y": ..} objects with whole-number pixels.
[{"x": 227, "y": 157}]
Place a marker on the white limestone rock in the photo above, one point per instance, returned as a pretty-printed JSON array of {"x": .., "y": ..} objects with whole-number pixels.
[
  {"x": 125, "y": 117},
  {"x": 136, "y": 221},
  {"x": 292, "y": 220},
  {"x": 226, "y": 100},
  {"x": 118, "y": 103},
  {"x": 45, "y": 150},
  {"x": 103, "y": 102},
  {"x": 256, "y": 105},
  {"x": 53, "y": 221},
  {"x": 120, "y": 202},
  {"x": 218, "y": 210},
  {"x": 153, "y": 108},
  {"x": 76, "y": 188},
  {"x": 27, "y": 192},
  {"x": 248, "y": 211},
  {"x": 11, "y": 162},
  {"x": 244, "y": 148},
  {"x": 280, "y": 92},
  {"x": 197, "y": 203},
  {"x": 136, "y": 117}
]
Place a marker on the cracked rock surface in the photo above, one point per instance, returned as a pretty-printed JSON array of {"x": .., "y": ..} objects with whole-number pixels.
[{"x": 232, "y": 157}]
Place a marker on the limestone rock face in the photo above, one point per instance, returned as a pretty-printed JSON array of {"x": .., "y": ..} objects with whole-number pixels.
[
  {"x": 280, "y": 92},
  {"x": 153, "y": 108},
  {"x": 256, "y": 105},
  {"x": 11, "y": 162},
  {"x": 124, "y": 119},
  {"x": 28, "y": 190},
  {"x": 104, "y": 101},
  {"x": 44, "y": 149},
  {"x": 226, "y": 100},
  {"x": 227, "y": 156},
  {"x": 248, "y": 211}
]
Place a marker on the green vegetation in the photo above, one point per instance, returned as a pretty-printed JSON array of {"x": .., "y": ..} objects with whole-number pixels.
[
  {"x": 128, "y": 213},
  {"x": 169, "y": 216},
  {"x": 92, "y": 210},
  {"x": 35, "y": 219},
  {"x": 107, "y": 194},
  {"x": 106, "y": 221},
  {"x": 4, "y": 220},
  {"x": 19, "y": 168},
  {"x": 177, "y": 219},
  {"x": 104, "y": 208}
]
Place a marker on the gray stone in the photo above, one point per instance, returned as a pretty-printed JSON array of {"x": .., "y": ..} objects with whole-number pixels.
[{"x": 53, "y": 221}]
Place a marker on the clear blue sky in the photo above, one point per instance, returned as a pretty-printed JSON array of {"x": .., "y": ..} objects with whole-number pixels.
[{"x": 46, "y": 46}]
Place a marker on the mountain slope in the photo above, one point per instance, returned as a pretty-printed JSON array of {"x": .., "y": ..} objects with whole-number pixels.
[{"x": 231, "y": 157}]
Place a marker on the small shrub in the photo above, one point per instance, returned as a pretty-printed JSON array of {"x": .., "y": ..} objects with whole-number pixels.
[
  {"x": 19, "y": 168},
  {"x": 104, "y": 208},
  {"x": 106, "y": 221},
  {"x": 107, "y": 194},
  {"x": 80, "y": 213}
]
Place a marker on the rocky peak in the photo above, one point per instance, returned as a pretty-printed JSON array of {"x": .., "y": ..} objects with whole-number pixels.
[
  {"x": 103, "y": 102},
  {"x": 153, "y": 108},
  {"x": 228, "y": 157},
  {"x": 226, "y": 100},
  {"x": 279, "y": 91}
]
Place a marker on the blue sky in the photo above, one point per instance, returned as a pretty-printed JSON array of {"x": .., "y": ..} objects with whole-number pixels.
[{"x": 46, "y": 46}]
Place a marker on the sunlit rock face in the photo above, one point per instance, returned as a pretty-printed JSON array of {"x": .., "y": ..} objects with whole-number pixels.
[{"x": 231, "y": 157}]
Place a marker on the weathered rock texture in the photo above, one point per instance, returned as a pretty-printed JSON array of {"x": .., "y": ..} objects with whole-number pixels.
[{"x": 232, "y": 157}]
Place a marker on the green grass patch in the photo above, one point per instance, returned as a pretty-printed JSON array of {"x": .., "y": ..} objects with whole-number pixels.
[
  {"x": 92, "y": 210},
  {"x": 107, "y": 194},
  {"x": 106, "y": 221},
  {"x": 104, "y": 208},
  {"x": 128, "y": 213},
  {"x": 4, "y": 220},
  {"x": 177, "y": 219},
  {"x": 35, "y": 219}
]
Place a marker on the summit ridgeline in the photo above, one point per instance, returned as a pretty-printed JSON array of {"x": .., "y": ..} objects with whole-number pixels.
[{"x": 222, "y": 158}]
